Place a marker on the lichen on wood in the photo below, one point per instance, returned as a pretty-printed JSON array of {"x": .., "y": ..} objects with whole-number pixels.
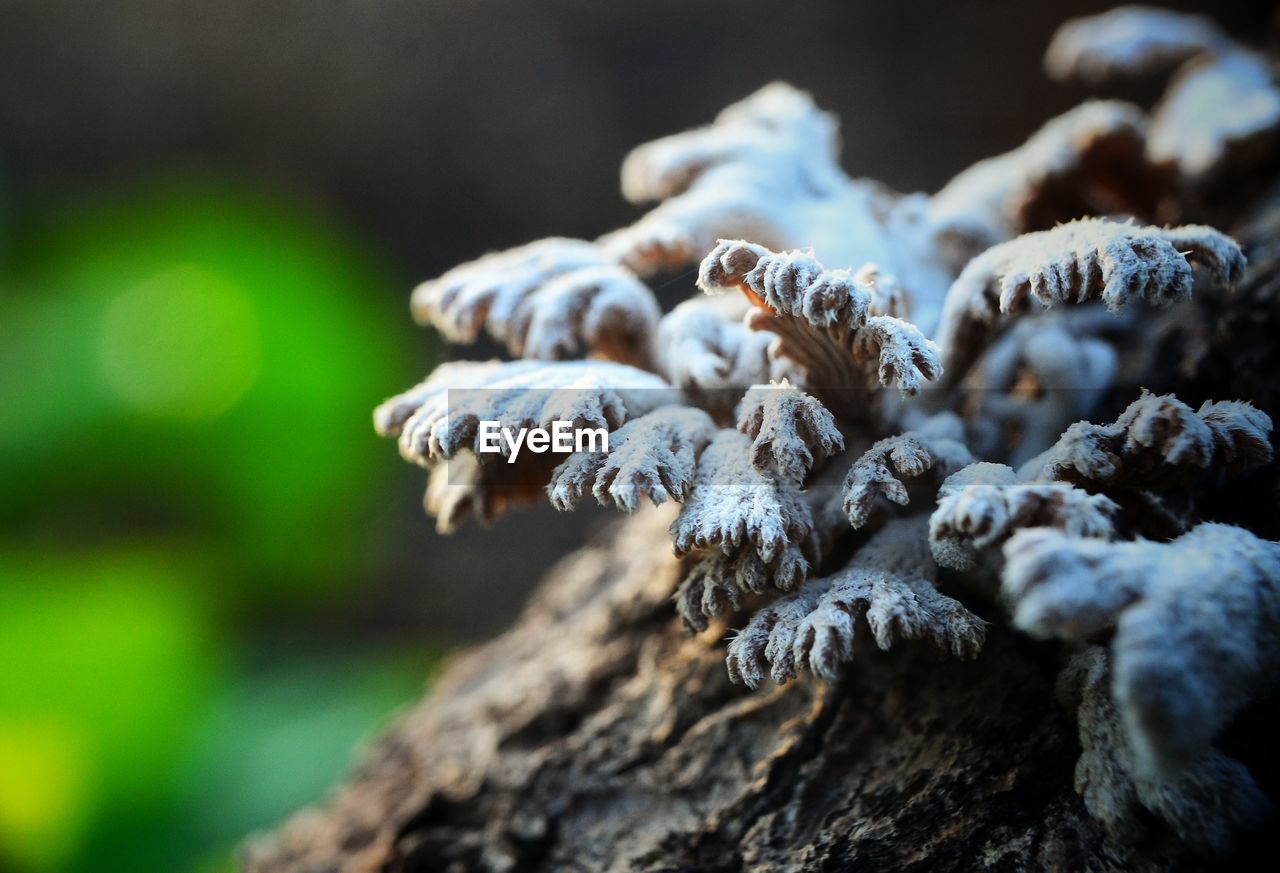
[{"x": 919, "y": 426}]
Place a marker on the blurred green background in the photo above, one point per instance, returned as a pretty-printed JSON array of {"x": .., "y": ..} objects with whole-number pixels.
[{"x": 185, "y": 450}]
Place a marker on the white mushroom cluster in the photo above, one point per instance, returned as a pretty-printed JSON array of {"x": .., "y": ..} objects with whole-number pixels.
[{"x": 892, "y": 413}]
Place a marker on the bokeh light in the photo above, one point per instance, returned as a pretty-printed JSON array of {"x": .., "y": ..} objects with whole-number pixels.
[
  {"x": 185, "y": 451},
  {"x": 184, "y": 344}
]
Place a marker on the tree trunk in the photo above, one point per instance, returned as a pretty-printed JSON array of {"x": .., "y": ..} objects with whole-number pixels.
[{"x": 594, "y": 735}]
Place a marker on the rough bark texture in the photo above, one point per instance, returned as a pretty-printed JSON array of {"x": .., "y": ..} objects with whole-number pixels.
[{"x": 595, "y": 735}]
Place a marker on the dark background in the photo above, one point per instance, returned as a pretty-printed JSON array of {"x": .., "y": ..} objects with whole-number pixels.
[
  {"x": 446, "y": 128},
  {"x": 419, "y": 133}
]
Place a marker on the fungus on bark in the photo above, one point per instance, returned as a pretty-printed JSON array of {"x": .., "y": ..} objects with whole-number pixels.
[{"x": 847, "y": 427}]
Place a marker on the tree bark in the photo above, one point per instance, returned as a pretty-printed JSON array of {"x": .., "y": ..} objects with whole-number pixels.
[{"x": 594, "y": 735}]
